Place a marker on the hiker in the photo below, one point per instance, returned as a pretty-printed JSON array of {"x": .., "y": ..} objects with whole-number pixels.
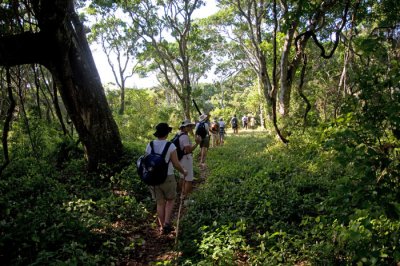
[
  {"x": 165, "y": 194},
  {"x": 234, "y": 124},
  {"x": 252, "y": 122},
  {"x": 244, "y": 121},
  {"x": 221, "y": 124},
  {"x": 187, "y": 159},
  {"x": 201, "y": 130},
  {"x": 214, "y": 130}
]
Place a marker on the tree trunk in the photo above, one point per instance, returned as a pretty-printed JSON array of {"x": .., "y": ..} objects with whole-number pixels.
[
  {"x": 62, "y": 47},
  {"x": 265, "y": 84},
  {"x": 7, "y": 123},
  {"x": 86, "y": 103},
  {"x": 186, "y": 102},
  {"x": 286, "y": 75},
  {"x": 261, "y": 106},
  {"x": 122, "y": 99}
]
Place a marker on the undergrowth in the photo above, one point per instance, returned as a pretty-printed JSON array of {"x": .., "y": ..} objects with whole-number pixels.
[
  {"x": 327, "y": 198},
  {"x": 265, "y": 203},
  {"x": 53, "y": 214}
]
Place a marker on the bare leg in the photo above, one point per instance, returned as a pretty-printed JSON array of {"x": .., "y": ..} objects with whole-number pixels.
[
  {"x": 186, "y": 187},
  {"x": 169, "y": 207},
  {"x": 161, "y": 206},
  {"x": 203, "y": 155}
]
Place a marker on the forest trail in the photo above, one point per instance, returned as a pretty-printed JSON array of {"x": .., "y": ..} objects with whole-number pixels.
[{"x": 157, "y": 247}]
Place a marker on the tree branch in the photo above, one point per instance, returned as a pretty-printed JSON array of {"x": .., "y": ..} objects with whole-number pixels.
[{"x": 25, "y": 48}]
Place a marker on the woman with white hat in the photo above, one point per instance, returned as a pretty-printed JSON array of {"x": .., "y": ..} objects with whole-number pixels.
[{"x": 187, "y": 159}]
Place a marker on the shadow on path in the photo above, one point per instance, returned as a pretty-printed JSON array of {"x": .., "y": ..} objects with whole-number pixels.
[{"x": 154, "y": 247}]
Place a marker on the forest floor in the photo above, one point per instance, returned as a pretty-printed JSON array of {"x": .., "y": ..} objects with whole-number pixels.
[{"x": 156, "y": 247}]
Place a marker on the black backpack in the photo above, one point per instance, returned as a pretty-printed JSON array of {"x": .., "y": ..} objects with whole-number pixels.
[
  {"x": 152, "y": 168},
  {"x": 179, "y": 150},
  {"x": 234, "y": 122},
  {"x": 201, "y": 130}
]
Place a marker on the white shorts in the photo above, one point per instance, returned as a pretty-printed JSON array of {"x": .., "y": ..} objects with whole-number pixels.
[{"x": 187, "y": 163}]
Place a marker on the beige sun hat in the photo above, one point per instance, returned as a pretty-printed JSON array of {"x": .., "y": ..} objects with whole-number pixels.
[
  {"x": 186, "y": 123},
  {"x": 202, "y": 117}
]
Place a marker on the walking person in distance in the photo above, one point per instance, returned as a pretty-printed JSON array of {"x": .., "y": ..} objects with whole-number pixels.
[
  {"x": 221, "y": 124},
  {"x": 202, "y": 130},
  {"x": 214, "y": 130},
  {"x": 235, "y": 124}
]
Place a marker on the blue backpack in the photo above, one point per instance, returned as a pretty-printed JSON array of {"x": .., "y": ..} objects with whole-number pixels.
[{"x": 152, "y": 168}]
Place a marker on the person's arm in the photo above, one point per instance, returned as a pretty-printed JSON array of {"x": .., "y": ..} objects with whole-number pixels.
[
  {"x": 190, "y": 148},
  {"x": 177, "y": 165}
]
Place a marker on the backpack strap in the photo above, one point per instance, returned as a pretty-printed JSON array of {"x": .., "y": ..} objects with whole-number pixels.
[
  {"x": 165, "y": 150},
  {"x": 179, "y": 135},
  {"x": 152, "y": 147},
  {"x": 166, "y": 147}
]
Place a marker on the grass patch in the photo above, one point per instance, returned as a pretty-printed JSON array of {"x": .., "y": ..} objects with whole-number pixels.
[{"x": 272, "y": 204}]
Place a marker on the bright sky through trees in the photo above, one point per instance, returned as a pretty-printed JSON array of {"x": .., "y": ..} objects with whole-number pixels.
[{"x": 136, "y": 82}]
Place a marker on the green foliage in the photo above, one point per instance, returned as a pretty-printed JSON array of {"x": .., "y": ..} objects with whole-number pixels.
[
  {"x": 139, "y": 117},
  {"x": 33, "y": 137},
  {"x": 302, "y": 203},
  {"x": 63, "y": 216},
  {"x": 221, "y": 245}
]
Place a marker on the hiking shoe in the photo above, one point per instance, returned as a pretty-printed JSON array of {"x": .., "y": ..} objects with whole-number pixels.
[{"x": 167, "y": 228}]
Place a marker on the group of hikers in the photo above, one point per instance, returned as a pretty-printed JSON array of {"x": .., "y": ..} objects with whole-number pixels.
[
  {"x": 247, "y": 122},
  {"x": 178, "y": 154}
]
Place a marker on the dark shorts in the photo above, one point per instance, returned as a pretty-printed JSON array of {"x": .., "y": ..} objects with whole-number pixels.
[{"x": 205, "y": 142}]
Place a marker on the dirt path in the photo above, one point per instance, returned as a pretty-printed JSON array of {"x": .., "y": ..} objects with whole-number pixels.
[{"x": 156, "y": 247}]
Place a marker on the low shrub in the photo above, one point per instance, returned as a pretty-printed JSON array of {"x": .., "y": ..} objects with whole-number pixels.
[{"x": 304, "y": 204}]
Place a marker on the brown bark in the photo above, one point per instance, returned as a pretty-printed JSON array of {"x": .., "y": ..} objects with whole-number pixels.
[
  {"x": 274, "y": 78},
  {"x": 61, "y": 46},
  {"x": 6, "y": 127},
  {"x": 286, "y": 73}
]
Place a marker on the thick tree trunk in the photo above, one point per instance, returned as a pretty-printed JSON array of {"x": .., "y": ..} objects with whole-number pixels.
[
  {"x": 86, "y": 103},
  {"x": 286, "y": 75},
  {"x": 63, "y": 49}
]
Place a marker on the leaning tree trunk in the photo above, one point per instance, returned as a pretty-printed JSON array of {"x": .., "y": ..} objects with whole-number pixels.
[
  {"x": 62, "y": 47},
  {"x": 83, "y": 94},
  {"x": 85, "y": 101}
]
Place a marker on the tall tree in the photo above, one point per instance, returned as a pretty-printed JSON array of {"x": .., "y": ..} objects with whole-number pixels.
[
  {"x": 169, "y": 37},
  {"x": 119, "y": 44},
  {"x": 274, "y": 36},
  {"x": 50, "y": 33}
]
